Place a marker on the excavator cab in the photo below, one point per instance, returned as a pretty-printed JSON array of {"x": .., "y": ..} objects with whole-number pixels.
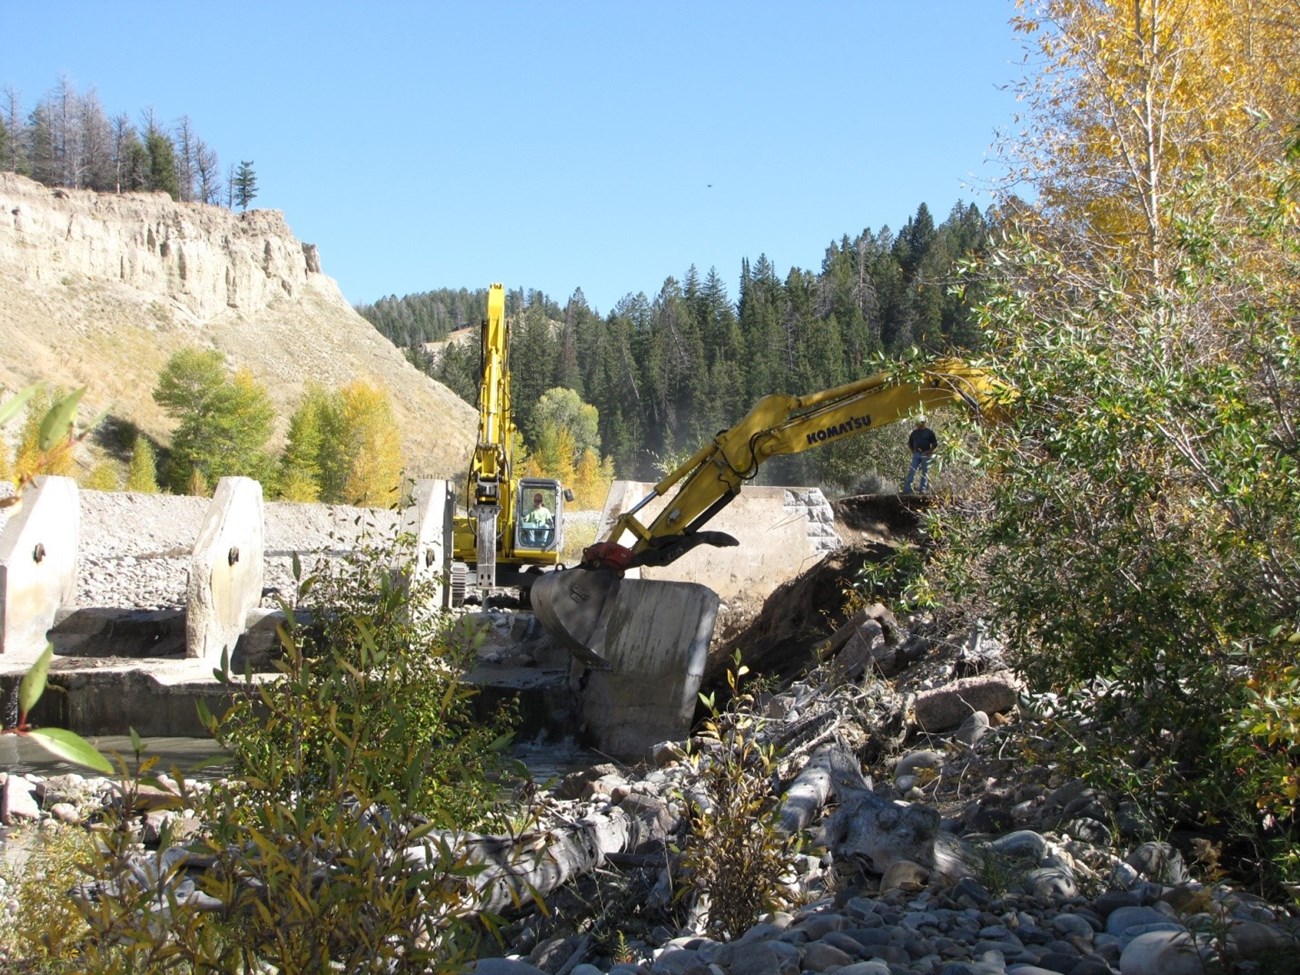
[{"x": 539, "y": 509}]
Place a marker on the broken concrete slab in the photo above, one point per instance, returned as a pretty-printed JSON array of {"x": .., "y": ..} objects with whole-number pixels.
[{"x": 656, "y": 643}]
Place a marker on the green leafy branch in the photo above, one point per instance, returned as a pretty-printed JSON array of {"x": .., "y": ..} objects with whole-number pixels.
[{"x": 65, "y": 744}]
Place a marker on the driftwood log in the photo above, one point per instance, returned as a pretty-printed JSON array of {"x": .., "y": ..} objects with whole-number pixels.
[{"x": 517, "y": 869}]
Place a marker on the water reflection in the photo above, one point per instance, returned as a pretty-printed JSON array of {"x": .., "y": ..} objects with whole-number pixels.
[{"x": 22, "y": 754}]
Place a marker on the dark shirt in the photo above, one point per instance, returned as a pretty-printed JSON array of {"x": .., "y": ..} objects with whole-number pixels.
[{"x": 922, "y": 439}]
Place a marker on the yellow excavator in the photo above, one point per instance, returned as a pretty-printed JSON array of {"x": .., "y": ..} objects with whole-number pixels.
[
  {"x": 578, "y": 606},
  {"x": 511, "y": 524}
]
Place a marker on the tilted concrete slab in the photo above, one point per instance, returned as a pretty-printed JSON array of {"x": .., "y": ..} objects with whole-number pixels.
[
  {"x": 38, "y": 565},
  {"x": 782, "y": 533},
  {"x": 226, "y": 570}
]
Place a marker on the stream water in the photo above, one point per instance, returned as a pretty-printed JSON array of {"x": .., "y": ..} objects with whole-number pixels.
[{"x": 201, "y": 758}]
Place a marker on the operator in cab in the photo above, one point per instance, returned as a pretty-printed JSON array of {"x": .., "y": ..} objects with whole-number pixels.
[{"x": 537, "y": 521}]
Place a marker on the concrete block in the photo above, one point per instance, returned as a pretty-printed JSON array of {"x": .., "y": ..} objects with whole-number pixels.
[
  {"x": 429, "y": 521},
  {"x": 38, "y": 565},
  {"x": 226, "y": 569},
  {"x": 656, "y": 645}
]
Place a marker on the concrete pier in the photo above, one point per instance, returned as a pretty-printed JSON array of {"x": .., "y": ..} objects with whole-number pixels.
[{"x": 38, "y": 566}]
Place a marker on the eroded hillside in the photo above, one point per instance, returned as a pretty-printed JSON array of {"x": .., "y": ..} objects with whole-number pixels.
[{"x": 99, "y": 290}]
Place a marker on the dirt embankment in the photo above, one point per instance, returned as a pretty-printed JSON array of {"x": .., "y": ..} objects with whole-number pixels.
[{"x": 780, "y": 638}]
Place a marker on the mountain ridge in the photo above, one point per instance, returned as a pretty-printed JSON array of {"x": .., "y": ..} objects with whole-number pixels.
[{"x": 99, "y": 290}]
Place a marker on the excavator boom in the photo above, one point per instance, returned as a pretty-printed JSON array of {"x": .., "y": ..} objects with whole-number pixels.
[
  {"x": 511, "y": 522},
  {"x": 576, "y": 605}
]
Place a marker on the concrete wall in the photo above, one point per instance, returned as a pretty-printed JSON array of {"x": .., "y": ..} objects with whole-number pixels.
[{"x": 113, "y": 559}]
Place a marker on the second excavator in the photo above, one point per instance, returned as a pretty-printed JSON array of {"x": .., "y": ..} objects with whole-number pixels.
[
  {"x": 580, "y": 606},
  {"x": 512, "y": 524}
]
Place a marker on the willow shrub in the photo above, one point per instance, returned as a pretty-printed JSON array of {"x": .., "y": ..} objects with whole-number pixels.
[
  {"x": 331, "y": 847},
  {"x": 369, "y": 690},
  {"x": 737, "y": 854},
  {"x": 1138, "y": 537}
]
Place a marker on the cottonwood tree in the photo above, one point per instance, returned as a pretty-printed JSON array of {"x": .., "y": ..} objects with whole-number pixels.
[
  {"x": 1143, "y": 308},
  {"x": 373, "y": 446},
  {"x": 343, "y": 447},
  {"x": 1135, "y": 98},
  {"x": 223, "y": 421}
]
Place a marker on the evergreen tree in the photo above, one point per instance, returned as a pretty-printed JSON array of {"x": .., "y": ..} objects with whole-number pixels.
[
  {"x": 244, "y": 185},
  {"x": 162, "y": 165},
  {"x": 41, "y": 145},
  {"x": 533, "y": 354}
]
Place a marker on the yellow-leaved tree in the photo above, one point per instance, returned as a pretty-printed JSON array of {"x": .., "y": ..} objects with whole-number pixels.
[
  {"x": 374, "y": 446},
  {"x": 142, "y": 471},
  {"x": 31, "y": 459},
  {"x": 1131, "y": 100},
  {"x": 343, "y": 447}
]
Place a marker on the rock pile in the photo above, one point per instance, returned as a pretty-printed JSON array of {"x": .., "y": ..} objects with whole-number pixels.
[{"x": 1003, "y": 870}]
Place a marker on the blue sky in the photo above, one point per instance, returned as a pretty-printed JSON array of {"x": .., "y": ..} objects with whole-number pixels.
[{"x": 557, "y": 145}]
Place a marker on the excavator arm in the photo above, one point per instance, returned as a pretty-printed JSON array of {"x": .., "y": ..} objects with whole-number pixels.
[
  {"x": 583, "y": 606},
  {"x": 778, "y": 424}
]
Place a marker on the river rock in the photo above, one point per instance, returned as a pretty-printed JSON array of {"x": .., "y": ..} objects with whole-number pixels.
[{"x": 1172, "y": 952}]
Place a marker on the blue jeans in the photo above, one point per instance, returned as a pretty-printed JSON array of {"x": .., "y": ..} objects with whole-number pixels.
[{"x": 920, "y": 462}]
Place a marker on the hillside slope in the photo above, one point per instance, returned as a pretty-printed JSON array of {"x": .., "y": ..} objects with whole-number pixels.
[{"x": 99, "y": 290}]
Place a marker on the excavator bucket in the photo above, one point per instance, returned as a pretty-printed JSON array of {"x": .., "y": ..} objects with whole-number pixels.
[
  {"x": 645, "y": 643},
  {"x": 601, "y": 617}
]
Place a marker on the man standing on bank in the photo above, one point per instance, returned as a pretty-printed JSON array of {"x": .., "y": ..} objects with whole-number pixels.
[{"x": 922, "y": 443}]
